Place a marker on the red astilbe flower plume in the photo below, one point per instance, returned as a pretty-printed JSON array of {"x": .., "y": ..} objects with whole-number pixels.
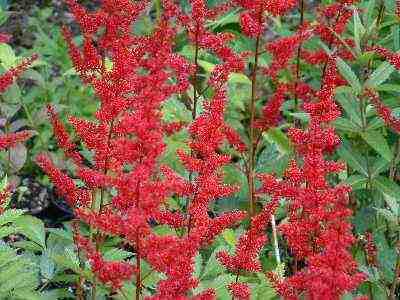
[
  {"x": 11, "y": 139},
  {"x": 391, "y": 57},
  {"x": 240, "y": 291},
  {"x": 332, "y": 23},
  {"x": 202, "y": 38},
  {"x": 10, "y": 75},
  {"x": 250, "y": 243},
  {"x": 318, "y": 230},
  {"x": 252, "y": 20},
  {"x": 126, "y": 140},
  {"x": 271, "y": 112},
  {"x": 111, "y": 273},
  {"x": 284, "y": 49},
  {"x": 383, "y": 111}
]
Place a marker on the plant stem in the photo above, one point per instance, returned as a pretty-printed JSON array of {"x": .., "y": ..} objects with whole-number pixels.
[
  {"x": 196, "y": 96},
  {"x": 138, "y": 276},
  {"x": 96, "y": 237},
  {"x": 252, "y": 154},
  {"x": 236, "y": 281},
  {"x": 393, "y": 287},
  {"x": 275, "y": 236},
  {"x": 195, "y": 76},
  {"x": 298, "y": 70}
]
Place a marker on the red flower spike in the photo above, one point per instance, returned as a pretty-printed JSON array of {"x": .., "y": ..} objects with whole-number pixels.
[
  {"x": 318, "y": 231},
  {"x": 383, "y": 111},
  {"x": 111, "y": 273},
  {"x": 9, "y": 140},
  {"x": 64, "y": 184},
  {"x": 239, "y": 291},
  {"x": 9, "y": 76}
]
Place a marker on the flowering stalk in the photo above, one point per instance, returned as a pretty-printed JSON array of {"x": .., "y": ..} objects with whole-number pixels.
[{"x": 318, "y": 231}]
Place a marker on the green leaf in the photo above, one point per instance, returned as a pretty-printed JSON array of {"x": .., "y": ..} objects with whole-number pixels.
[
  {"x": 47, "y": 266},
  {"x": 33, "y": 229},
  {"x": 348, "y": 74},
  {"x": 376, "y": 140},
  {"x": 10, "y": 215},
  {"x": 7, "y": 56},
  {"x": 393, "y": 204},
  {"x": 386, "y": 186},
  {"x": 116, "y": 254},
  {"x": 198, "y": 265},
  {"x": 359, "y": 29},
  {"x": 349, "y": 103},
  {"x": 68, "y": 260},
  {"x": 345, "y": 124},
  {"x": 229, "y": 236},
  {"x": 354, "y": 159},
  {"x": 380, "y": 75},
  {"x": 380, "y": 165},
  {"x": 233, "y": 78},
  {"x": 388, "y": 215},
  {"x": 213, "y": 268},
  {"x": 6, "y": 231},
  {"x": 357, "y": 182},
  {"x": 276, "y": 135}
]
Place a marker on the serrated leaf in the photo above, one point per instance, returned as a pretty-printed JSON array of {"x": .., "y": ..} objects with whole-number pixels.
[
  {"x": 33, "y": 229},
  {"x": 354, "y": 159},
  {"x": 357, "y": 182},
  {"x": 47, "y": 266},
  {"x": 386, "y": 186},
  {"x": 213, "y": 268},
  {"x": 68, "y": 260},
  {"x": 276, "y": 135},
  {"x": 116, "y": 254},
  {"x": 10, "y": 215},
  {"x": 380, "y": 165},
  {"x": 380, "y": 75},
  {"x": 378, "y": 143},
  {"x": 348, "y": 74},
  {"x": 350, "y": 104},
  {"x": 346, "y": 125},
  {"x": 7, "y": 56},
  {"x": 359, "y": 29}
]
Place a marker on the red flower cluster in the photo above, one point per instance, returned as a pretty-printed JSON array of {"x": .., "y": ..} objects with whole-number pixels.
[
  {"x": 383, "y": 111},
  {"x": 284, "y": 49},
  {"x": 132, "y": 77},
  {"x": 113, "y": 273},
  {"x": 8, "y": 77},
  {"x": 252, "y": 20},
  {"x": 393, "y": 58},
  {"x": 9, "y": 140},
  {"x": 240, "y": 291},
  {"x": 125, "y": 190},
  {"x": 318, "y": 231}
]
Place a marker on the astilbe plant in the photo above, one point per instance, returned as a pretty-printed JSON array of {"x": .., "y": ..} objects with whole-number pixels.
[
  {"x": 9, "y": 140},
  {"x": 126, "y": 139},
  {"x": 126, "y": 189}
]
